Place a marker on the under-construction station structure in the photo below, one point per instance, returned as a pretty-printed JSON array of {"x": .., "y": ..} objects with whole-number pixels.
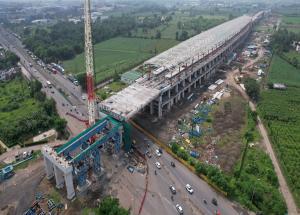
[{"x": 172, "y": 75}]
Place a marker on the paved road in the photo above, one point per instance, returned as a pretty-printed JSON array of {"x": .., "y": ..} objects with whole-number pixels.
[{"x": 158, "y": 200}]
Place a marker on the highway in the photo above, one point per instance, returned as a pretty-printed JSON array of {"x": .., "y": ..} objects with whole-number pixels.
[{"x": 158, "y": 200}]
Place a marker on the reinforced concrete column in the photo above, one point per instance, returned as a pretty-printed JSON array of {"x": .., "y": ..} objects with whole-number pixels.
[
  {"x": 190, "y": 78},
  {"x": 169, "y": 93},
  {"x": 69, "y": 185},
  {"x": 169, "y": 105},
  {"x": 49, "y": 168},
  {"x": 59, "y": 177},
  {"x": 176, "y": 88},
  {"x": 160, "y": 107},
  {"x": 151, "y": 108},
  {"x": 195, "y": 84}
]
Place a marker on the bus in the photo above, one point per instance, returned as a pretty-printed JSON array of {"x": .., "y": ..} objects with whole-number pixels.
[{"x": 49, "y": 84}]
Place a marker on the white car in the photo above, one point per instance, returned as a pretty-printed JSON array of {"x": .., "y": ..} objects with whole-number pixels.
[
  {"x": 157, "y": 153},
  {"x": 189, "y": 188},
  {"x": 179, "y": 209},
  {"x": 157, "y": 164}
]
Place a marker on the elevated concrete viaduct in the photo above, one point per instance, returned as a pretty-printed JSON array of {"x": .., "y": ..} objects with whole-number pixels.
[{"x": 173, "y": 73}]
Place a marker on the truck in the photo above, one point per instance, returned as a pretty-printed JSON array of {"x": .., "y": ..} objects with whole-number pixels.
[{"x": 6, "y": 172}]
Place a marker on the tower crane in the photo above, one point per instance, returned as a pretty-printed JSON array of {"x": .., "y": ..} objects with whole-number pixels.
[{"x": 89, "y": 62}]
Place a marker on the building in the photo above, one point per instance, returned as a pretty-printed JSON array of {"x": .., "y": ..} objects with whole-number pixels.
[
  {"x": 173, "y": 73},
  {"x": 279, "y": 86},
  {"x": 6, "y": 75},
  {"x": 130, "y": 76}
]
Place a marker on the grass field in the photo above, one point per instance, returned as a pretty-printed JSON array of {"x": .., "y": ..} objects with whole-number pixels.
[
  {"x": 110, "y": 89},
  {"x": 283, "y": 72},
  {"x": 119, "y": 54},
  {"x": 15, "y": 92},
  {"x": 291, "y": 23},
  {"x": 280, "y": 111},
  {"x": 291, "y": 54},
  {"x": 291, "y": 19}
]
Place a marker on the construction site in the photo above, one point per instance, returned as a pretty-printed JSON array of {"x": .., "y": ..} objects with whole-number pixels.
[{"x": 172, "y": 79}]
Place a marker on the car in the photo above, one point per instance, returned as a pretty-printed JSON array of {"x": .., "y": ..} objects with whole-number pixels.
[
  {"x": 157, "y": 164},
  {"x": 179, "y": 209},
  {"x": 173, "y": 190},
  {"x": 173, "y": 164},
  {"x": 148, "y": 154},
  {"x": 214, "y": 202},
  {"x": 130, "y": 169},
  {"x": 160, "y": 150},
  {"x": 157, "y": 153},
  {"x": 189, "y": 189}
]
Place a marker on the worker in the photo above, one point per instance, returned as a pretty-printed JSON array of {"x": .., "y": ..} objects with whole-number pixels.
[
  {"x": 155, "y": 172},
  {"x": 172, "y": 198}
]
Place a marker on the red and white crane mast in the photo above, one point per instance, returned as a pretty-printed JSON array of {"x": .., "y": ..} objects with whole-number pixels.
[{"x": 89, "y": 62}]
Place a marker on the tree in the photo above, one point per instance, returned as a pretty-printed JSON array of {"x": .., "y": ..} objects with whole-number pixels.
[
  {"x": 230, "y": 17},
  {"x": 49, "y": 107},
  {"x": 179, "y": 24},
  {"x": 252, "y": 88},
  {"x": 82, "y": 80},
  {"x": 111, "y": 206},
  {"x": 60, "y": 125},
  {"x": 177, "y": 35},
  {"x": 184, "y": 35},
  {"x": 158, "y": 35},
  {"x": 295, "y": 61}
]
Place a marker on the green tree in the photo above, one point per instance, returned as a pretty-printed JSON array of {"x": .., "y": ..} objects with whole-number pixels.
[
  {"x": 111, "y": 206},
  {"x": 295, "y": 61},
  {"x": 184, "y": 35},
  {"x": 158, "y": 35},
  {"x": 60, "y": 125},
  {"x": 252, "y": 88}
]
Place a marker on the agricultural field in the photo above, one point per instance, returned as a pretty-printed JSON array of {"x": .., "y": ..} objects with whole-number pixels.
[
  {"x": 119, "y": 55},
  {"x": 291, "y": 23},
  {"x": 293, "y": 54},
  {"x": 280, "y": 111},
  {"x": 283, "y": 72}
]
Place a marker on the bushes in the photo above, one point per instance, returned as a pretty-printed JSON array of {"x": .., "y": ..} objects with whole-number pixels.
[{"x": 252, "y": 88}]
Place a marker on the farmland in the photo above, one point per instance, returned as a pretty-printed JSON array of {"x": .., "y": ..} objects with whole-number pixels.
[
  {"x": 283, "y": 72},
  {"x": 280, "y": 111},
  {"x": 291, "y": 23},
  {"x": 119, "y": 54}
]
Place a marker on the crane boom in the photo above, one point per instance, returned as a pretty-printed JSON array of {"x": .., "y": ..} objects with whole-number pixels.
[{"x": 89, "y": 62}]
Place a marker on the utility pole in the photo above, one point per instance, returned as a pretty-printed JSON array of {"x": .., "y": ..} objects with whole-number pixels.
[{"x": 89, "y": 62}]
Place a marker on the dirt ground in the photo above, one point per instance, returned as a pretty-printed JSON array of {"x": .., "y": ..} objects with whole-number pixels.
[
  {"x": 228, "y": 123},
  {"x": 224, "y": 146}
]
